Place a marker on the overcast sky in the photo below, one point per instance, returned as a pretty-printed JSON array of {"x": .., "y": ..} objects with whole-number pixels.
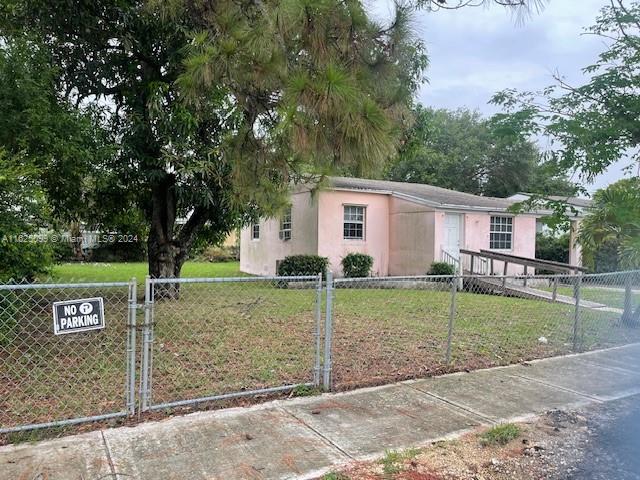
[{"x": 474, "y": 52}]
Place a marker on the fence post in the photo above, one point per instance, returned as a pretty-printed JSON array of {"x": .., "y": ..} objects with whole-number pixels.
[
  {"x": 627, "y": 314},
  {"x": 145, "y": 367},
  {"x": 328, "y": 333},
  {"x": 504, "y": 273},
  {"x": 554, "y": 295},
  {"x": 452, "y": 315},
  {"x": 318, "y": 346},
  {"x": 576, "y": 318},
  {"x": 131, "y": 347}
]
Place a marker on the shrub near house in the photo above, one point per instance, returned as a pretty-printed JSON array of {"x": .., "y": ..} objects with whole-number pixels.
[
  {"x": 357, "y": 265},
  {"x": 298, "y": 265},
  {"x": 441, "y": 268}
]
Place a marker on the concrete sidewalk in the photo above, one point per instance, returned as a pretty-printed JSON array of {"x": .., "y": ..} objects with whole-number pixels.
[{"x": 305, "y": 437}]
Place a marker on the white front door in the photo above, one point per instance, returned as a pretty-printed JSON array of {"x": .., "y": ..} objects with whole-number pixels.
[{"x": 452, "y": 234}]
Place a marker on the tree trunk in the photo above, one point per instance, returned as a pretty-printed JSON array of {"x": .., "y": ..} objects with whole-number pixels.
[
  {"x": 161, "y": 247},
  {"x": 168, "y": 249},
  {"x": 76, "y": 244}
]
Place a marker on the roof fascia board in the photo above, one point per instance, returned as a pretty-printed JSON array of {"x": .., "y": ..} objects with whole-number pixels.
[
  {"x": 442, "y": 206},
  {"x": 361, "y": 190},
  {"x": 458, "y": 208}
]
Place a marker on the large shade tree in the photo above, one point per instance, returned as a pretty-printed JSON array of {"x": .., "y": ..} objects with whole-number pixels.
[
  {"x": 593, "y": 125},
  {"x": 465, "y": 151},
  {"x": 214, "y": 108}
]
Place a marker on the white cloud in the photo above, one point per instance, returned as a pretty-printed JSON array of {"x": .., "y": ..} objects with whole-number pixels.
[{"x": 475, "y": 52}]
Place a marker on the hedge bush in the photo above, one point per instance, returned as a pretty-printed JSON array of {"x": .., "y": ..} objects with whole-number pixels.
[
  {"x": 441, "y": 268},
  {"x": 298, "y": 265},
  {"x": 357, "y": 265},
  {"x": 218, "y": 254}
]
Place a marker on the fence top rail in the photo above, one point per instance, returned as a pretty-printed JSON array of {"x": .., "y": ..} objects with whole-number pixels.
[
  {"x": 479, "y": 276},
  {"x": 234, "y": 279},
  {"x": 36, "y": 286},
  {"x": 392, "y": 278},
  {"x": 612, "y": 274}
]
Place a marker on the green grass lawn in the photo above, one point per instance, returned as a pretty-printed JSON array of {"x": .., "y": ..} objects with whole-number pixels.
[
  {"x": 226, "y": 337},
  {"x": 607, "y": 296},
  {"x": 119, "y": 272}
]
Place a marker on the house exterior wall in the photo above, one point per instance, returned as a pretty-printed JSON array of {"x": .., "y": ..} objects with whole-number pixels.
[
  {"x": 477, "y": 227},
  {"x": 411, "y": 237},
  {"x": 259, "y": 257},
  {"x": 331, "y": 242},
  {"x": 403, "y": 237}
]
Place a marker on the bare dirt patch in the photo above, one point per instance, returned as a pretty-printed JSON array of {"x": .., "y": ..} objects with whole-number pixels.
[{"x": 558, "y": 445}]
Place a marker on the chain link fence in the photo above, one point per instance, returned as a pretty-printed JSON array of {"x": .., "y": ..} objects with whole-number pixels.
[
  {"x": 51, "y": 380},
  {"x": 389, "y": 328},
  {"x": 201, "y": 340},
  {"x": 393, "y": 328},
  {"x": 222, "y": 338}
]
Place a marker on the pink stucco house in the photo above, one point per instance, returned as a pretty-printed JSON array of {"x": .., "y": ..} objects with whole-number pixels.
[{"x": 403, "y": 226}]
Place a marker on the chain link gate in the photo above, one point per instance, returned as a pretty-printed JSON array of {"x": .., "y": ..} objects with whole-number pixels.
[
  {"x": 49, "y": 380},
  {"x": 211, "y": 339}
]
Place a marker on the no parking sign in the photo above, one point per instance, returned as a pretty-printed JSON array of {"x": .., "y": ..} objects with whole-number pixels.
[{"x": 71, "y": 316}]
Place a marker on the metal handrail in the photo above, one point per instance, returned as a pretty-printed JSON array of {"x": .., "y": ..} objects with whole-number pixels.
[{"x": 451, "y": 260}]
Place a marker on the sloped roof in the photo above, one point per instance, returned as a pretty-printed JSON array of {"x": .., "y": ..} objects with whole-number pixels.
[
  {"x": 435, "y": 196},
  {"x": 575, "y": 201}
]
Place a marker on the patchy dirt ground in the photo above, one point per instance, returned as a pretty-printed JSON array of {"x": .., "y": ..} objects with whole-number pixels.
[{"x": 599, "y": 442}]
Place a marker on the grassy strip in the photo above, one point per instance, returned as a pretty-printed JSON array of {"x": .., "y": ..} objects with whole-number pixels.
[
  {"x": 500, "y": 434},
  {"x": 119, "y": 272},
  {"x": 606, "y": 296}
]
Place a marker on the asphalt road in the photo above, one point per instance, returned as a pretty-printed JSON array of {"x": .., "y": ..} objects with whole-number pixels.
[{"x": 613, "y": 449}]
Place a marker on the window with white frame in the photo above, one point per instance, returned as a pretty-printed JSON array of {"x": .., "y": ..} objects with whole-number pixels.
[
  {"x": 354, "y": 218},
  {"x": 285, "y": 225},
  {"x": 501, "y": 233},
  {"x": 255, "y": 231}
]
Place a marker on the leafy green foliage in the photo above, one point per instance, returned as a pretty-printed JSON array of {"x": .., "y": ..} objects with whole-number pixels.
[
  {"x": 592, "y": 125},
  {"x": 118, "y": 252},
  {"x": 441, "y": 268},
  {"x": 613, "y": 222},
  {"x": 500, "y": 434},
  {"x": 22, "y": 210},
  {"x": 208, "y": 111},
  {"x": 298, "y": 265},
  {"x": 357, "y": 265},
  {"x": 47, "y": 148},
  {"x": 552, "y": 247},
  {"x": 604, "y": 257},
  {"x": 463, "y": 151}
]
